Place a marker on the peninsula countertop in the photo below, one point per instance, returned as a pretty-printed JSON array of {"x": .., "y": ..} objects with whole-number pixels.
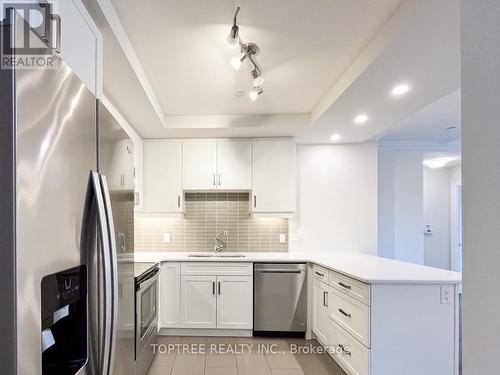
[{"x": 363, "y": 267}]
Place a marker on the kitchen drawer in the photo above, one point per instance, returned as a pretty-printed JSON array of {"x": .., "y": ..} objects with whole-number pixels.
[
  {"x": 320, "y": 273},
  {"x": 354, "y": 288},
  {"x": 353, "y": 356},
  {"x": 351, "y": 315},
  {"x": 216, "y": 268}
]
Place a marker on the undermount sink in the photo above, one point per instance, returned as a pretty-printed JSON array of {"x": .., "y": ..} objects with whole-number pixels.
[{"x": 216, "y": 256}]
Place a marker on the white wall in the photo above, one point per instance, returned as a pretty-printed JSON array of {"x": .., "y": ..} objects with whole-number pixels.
[
  {"x": 400, "y": 205},
  {"x": 437, "y": 212},
  {"x": 455, "y": 244},
  {"x": 480, "y": 28},
  {"x": 337, "y": 199}
]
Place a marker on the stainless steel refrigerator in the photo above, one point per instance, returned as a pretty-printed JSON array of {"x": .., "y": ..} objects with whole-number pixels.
[{"x": 64, "y": 287}]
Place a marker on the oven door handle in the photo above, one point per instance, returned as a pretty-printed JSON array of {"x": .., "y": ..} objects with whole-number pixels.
[{"x": 147, "y": 283}]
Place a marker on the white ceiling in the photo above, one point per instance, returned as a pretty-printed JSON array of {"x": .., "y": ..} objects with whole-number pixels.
[
  {"x": 425, "y": 54},
  {"x": 430, "y": 123},
  {"x": 305, "y": 47},
  {"x": 324, "y": 62}
]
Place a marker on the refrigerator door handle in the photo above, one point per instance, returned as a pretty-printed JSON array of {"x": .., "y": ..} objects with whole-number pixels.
[
  {"x": 103, "y": 231},
  {"x": 113, "y": 271}
]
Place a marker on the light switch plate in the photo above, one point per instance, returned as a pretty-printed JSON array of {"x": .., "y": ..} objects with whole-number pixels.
[
  {"x": 446, "y": 295},
  {"x": 166, "y": 237},
  {"x": 282, "y": 238}
]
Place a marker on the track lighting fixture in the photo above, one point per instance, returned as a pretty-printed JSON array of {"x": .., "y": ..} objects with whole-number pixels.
[
  {"x": 248, "y": 51},
  {"x": 255, "y": 93}
]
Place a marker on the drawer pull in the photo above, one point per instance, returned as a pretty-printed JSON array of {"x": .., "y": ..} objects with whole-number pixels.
[
  {"x": 344, "y": 313},
  {"x": 319, "y": 273},
  {"x": 325, "y": 299},
  {"x": 344, "y": 350},
  {"x": 344, "y": 285}
]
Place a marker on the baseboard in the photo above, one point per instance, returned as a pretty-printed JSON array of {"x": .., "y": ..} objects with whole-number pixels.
[{"x": 205, "y": 332}]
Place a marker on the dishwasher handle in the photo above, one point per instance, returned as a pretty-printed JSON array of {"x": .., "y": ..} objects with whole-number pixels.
[{"x": 280, "y": 271}]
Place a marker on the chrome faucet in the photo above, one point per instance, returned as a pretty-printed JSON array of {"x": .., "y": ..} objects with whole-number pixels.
[{"x": 219, "y": 245}]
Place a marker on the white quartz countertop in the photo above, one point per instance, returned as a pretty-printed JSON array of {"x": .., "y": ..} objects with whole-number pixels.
[{"x": 365, "y": 268}]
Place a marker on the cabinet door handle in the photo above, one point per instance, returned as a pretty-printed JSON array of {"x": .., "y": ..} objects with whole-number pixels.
[
  {"x": 344, "y": 285},
  {"x": 219, "y": 179},
  {"x": 179, "y": 201},
  {"x": 325, "y": 299},
  {"x": 213, "y": 288},
  {"x": 218, "y": 288},
  {"x": 214, "y": 178},
  {"x": 344, "y": 350},
  {"x": 344, "y": 313},
  {"x": 254, "y": 201}
]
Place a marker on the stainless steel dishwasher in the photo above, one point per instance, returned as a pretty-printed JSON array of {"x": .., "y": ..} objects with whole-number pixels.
[{"x": 280, "y": 298}]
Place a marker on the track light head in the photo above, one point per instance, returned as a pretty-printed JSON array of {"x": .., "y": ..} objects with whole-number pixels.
[
  {"x": 233, "y": 39},
  {"x": 237, "y": 61},
  {"x": 255, "y": 93},
  {"x": 258, "y": 80}
]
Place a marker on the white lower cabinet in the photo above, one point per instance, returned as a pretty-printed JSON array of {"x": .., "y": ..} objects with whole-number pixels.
[
  {"x": 202, "y": 295},
  {"x": 321, "y": 313},
  {"x": 234, "y": 302},
  {"x": 353, "y": 356},
  {"x": 170, "y": 294},
  {"x": 198, "y": 302}
]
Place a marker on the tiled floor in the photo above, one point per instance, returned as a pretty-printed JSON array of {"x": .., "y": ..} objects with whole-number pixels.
[{"x": 240, "y": 356}]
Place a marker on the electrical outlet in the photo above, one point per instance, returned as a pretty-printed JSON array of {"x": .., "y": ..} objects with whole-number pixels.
[
  {"x": 166, "y": 237},
  {"x": 282, "y": 238},
  {"x": 446, "y": 295}
]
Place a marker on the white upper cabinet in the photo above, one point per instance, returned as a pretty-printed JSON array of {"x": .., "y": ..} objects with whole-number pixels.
[
  {"x": 128, "y": 169},
  {"x": 163, "y": 176},
  {"x": 223, "y": 165},
  {"x": 81, "y": 43},
  {"x": 121, "y": 170},
  {"x": 234, "y": 164},
  {"x": 274, "y": 184},
  {"x": 199, "y": 165}
]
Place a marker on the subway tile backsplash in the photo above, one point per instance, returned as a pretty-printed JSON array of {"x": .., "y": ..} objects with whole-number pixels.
[{"x": 205, "y": 215}]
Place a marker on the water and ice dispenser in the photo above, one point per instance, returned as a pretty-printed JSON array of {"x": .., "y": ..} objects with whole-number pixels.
[{"x": 64, "y": 322}]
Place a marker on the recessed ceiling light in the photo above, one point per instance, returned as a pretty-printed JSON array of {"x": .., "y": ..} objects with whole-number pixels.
[
  {"x": 438, "y": 162},
  {"x": 361, "y": 119},
  {"x": 400, "y": 89},
  {"x": 335, "y": 137}
]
